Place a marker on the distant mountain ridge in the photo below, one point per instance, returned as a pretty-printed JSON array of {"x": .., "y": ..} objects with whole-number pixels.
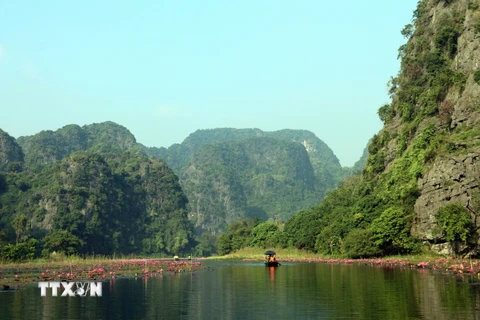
[
  {"x": 178, "y": 155},
  {"x": 49, "y": 146},
  {"x": 293, "y": 175},
  {"x": 323, "y": 159},
  {"x": 210, "y": 174}
]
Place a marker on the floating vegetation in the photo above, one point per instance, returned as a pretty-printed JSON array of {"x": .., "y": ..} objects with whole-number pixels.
[{"x": 91, "y": 270}]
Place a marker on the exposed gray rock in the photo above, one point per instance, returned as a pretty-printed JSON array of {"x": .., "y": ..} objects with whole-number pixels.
[
  {"x": 445, "y": 249},
  {"x": 452, "y": 179}
]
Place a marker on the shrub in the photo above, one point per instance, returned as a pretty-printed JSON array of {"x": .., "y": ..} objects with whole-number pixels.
[
  {"x": 359, "y": 244},
  {"x": 473, "y": 5},
  {"x": 455, "y": 222},
  {"x": 386, "y": 113},
  {"x": 19, "y": 252},
  {"x": 447, "y": 39},
  {"x": 329, "y": 240},
  {"x": 408, "y": 30},
  {"x": 476, "y": 76},
  {"x": 62, "y": 241},
  {"x": 224, "y": 244},
  {"x": 263, "y": 235},
  {"x": 391, "y": 231},
  {"x": 375, "y": 163}
]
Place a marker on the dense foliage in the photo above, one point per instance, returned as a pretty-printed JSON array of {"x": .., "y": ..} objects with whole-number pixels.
[
  {"x": 49, "y": 146},
  {"x": 104, "y": 200},
  {"x": 250, "y": 233},
  {"x": 455, "y": 222},
  {"x": 92, "y": 190},
  {"x": 256, "y": 177},
  {"x": 231, "y": 174}
]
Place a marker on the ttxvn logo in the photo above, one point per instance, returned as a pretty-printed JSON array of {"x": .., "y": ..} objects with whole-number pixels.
[{"x": 71, "y": 288}]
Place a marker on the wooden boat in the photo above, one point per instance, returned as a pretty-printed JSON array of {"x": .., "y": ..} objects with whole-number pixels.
[
  {"x": 272, "y": 263},
  {"x": 270, "y": 260}
]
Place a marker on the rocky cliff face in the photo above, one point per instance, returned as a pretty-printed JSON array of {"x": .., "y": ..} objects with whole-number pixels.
[
  {"x": 440, "y": 133},
  {"x": 231, "y": 174},
  {"x": 258, "y": 177},
  {"x": 452, "y": 179},
  {"x": 455, "y": 178}
]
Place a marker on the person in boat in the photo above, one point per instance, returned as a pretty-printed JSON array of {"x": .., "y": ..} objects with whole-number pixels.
[{"x": 271, "y": 258}]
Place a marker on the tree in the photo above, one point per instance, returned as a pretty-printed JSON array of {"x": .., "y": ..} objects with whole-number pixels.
[
  {"x": 386, "y": 113},
  {"x": 302, "y": 229},
  {"x": 62, "y": 241},
  {"x": 20, "y": 251},
  {"x": 408, "y": 30},
  {"x": 455, "y": 222},
  {"x": 391, "y": 231},
  {"x": 241, "y": 232},
  {"x": 237, "y": 237},
  {"x": 224, "y": 244},
  {"x": 20, "y": 225},
  {"x": 445, "y": 112},
  {"x": 263, "y": 235},
  {"x": 359, "y": 244},
  {"x": 329, "y": 240},
  {"x": 206, "y": 245}
]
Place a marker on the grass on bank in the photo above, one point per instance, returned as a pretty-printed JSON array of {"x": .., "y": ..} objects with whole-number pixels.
[
  {"x": 426, "y": 260},
  {"x": 62, "y": 259},
  {"x": 258, "y": 254},
  {"x": 249, "y": 253},
  {"x": 290, "y": 254}
]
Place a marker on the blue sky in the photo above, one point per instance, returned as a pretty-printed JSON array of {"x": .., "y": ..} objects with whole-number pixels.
[{"x": 164, "y": 69}]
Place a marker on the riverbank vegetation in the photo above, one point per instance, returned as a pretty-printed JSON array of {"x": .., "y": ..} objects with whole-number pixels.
[
  {"x": 298, "y": 255},
  {"x": 74, "y": 268},
  {"x": 430, "y": 261},
  {"x": 330, "y": 229}
]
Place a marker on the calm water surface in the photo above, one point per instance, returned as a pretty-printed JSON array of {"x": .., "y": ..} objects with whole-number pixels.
[{"x": 251, "y": 291}]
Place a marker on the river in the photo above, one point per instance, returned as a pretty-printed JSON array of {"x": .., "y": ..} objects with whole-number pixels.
[{"x": 247, "y": 290}]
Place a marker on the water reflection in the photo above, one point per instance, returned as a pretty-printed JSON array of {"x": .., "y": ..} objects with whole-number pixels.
[
  {"x": 252, "y": 291},
  {"x": 272, "y": 273}
]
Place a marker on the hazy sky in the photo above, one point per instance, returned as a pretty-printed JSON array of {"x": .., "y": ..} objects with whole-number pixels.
[{"x": 164, "y": 69}]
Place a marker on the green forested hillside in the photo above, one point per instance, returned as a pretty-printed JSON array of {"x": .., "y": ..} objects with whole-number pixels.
[
  {"x": 419, "y": 189},
  {"x": 323, "y": 160},
  {"x": 92, "y": 189},
  {"x": 231, "y": 174},
  {"x": 256, "y": 177},
  {"x": 89, "y": 201}
]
